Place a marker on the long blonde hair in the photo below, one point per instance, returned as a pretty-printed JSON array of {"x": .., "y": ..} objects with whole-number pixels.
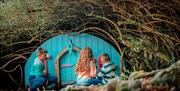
[{"x": 84, "y": 60}]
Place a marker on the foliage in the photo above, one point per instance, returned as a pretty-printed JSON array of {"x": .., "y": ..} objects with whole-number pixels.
[
  {"x": 146, "y": 33},
  {"x": 157, "y": 80},
  {"x": 160, "y": 80}
]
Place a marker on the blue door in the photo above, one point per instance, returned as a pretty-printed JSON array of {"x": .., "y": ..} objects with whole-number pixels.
[{"x": 68, "y": 60}]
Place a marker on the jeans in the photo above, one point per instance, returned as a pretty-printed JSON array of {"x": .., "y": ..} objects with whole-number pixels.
[
  {"x": 94, "y": 81},
  {"x": 38, "y": 81},
  {"x": 90, "y": 81}
]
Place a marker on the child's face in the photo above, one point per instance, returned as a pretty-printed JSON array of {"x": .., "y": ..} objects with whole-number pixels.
[
  {"x": 42, "y": 57},
  {"x": 103, "y": 59}
]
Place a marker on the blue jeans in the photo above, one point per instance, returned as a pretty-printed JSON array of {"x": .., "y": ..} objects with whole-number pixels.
[
  {"x": 39, "y": 81},
  {"x": 94, "y": 81},
  {"x": 89, "y": 81}
]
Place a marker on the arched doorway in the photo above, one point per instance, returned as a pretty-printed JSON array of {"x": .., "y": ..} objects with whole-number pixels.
[{"x": 67, "y": 60}]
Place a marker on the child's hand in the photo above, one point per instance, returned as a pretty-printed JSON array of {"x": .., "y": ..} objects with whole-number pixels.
[
  {"x": 92, "y": 76},
  {"x": 45, "y": 72},
  {"x": 48, "y": 56}
]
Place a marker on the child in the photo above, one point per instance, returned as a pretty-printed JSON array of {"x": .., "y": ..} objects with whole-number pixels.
[
  {"x": 39, "y": 72},
  {"x": 108, "y": 69},
  {"x": 86, "y": 67}
]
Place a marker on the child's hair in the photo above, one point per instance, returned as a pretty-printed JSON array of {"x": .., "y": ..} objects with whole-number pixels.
[
  {"x": 41, "y": 51},
  {"x": 84, "y": 60},
  {"x": 107, "y": 59}
]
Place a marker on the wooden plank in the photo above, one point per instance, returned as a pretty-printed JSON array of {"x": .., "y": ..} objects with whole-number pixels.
[{"x": 66, "y": 65}]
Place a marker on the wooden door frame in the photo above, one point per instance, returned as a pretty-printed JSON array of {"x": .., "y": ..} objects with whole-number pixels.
[{"x": 57, "y": 63}]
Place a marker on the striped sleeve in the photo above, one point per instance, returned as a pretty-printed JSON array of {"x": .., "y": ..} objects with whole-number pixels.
[
  {"x": 108, "y": 72},
  {"x": 109, "y": 68},
  {"x": 100, "y": 74}
]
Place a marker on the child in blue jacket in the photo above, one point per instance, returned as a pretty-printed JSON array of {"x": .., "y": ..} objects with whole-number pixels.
[
  {"x": 39, "y": 73},
  {"x": 108, "y": 70}
]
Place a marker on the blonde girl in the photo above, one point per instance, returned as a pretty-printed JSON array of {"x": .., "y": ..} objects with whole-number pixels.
[{"x": 85, "y": 67}]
